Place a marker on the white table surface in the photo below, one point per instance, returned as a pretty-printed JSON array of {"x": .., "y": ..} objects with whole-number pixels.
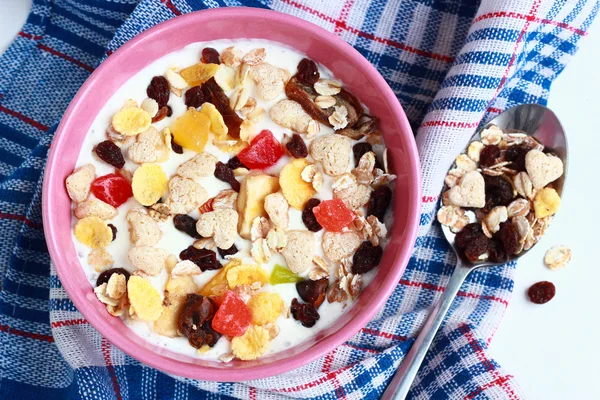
[{"x": 550, "y": 349}]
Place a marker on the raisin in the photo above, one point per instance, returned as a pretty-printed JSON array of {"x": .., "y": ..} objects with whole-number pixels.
[
  {"x": 235, "y": 163},
  {"x": 210, "y": 56},
  {"x": 516, "y": 154},
  {"x": 308, "y": 216},
  {"x": 194, "y": 321},
  {"x": 194, "y": 97},
  {"x": 541, "y": 292},
  {"x": 477, "y": 247},
  {"x": 215, "y": 95},
  {"x": 360, "y": 149},
  {"x": 175, "y": 147},
  {"x": 496, "y": 252},
  {"x": 105, "y": 276},
  {"x": 227, "y": 252},
  {"x": 169, "y": 111},
  {"x": 379, "y": 202},
  {"x": 308, "y": 73},
  {"x": 186, "y": 224},
  {"x": 114, "y": 231},
  {"x": 160, "y": 114},
  {"x": 366, "y": 258},
  {"x": 306, "y": 313},
  {"x": 204, "y": 258},
  {"x": 159, "y": 90},
  {"x": 225, "y": 174},
  {"x": 110, "y": 153},
  {"x": 296, "y": 147},
  {"x": 509, "y": 237},
  {"x": 489, "y": 156},
  {"x": 498, "y": 192},
  {"x": 467, "y": 234},
  {"x": 313, "y": 291}
]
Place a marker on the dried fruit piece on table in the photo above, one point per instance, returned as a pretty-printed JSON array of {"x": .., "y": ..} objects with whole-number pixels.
[
  {"x": 366, "y": 258},
  {"x": 149, "y": 183},
  {"x": 130, "y": 121},
  {"x": 250, "y": 202},
  {"x": 313, "y": 292},
  {"x": 546, "y": 203},
  {"x": 78, "y": 183},
  {"x": 299, "y": 250},
  {"x": 191, "y": 130},
  {"x": 295, "y": 190},
  {"x": 143, "y": 230},
  {"x": 105, "y": 276},
  {"x": 333, "y": 215},
  {"x": 159, "y": 90},
  {"x": 186, "y": 224},
  {"x": 217, "y": 123},
  {"x": 308, "y": 72},
  {"x": 306, "y": 313},
  {"x": 198, "y": 74},
  {"x": 225, "y": 174},
  {"x": 110, "y": 153},
  {"x": 379, "y": 202},
  {"x": 194, "y": 97},
  {"x": 557, "y": 257},
  {"x": 333, "y": 152},
  {"x": 543, "y": 168},
  {"x": 339, "y": 245},
  {"x": 308, "y": 215},
  {"x": 233, "y": 316},
  {"x": 195, "y": 320},
  {"x": 296, "y": 147},
  {"x": 93, "y": 232},
  {"x": 95, "y": 208},
  {"x": 220, "y": 224},
  {"x": 281, "y": 274},
  {"x": 265, "y": 307},
  {"x": 246, "y": 275},
  {"x": 215, "y": 95},
  {"x": 145, "y": 300},
  {"x": 210, "y": 56},
  {"x": 541, "y": 292},
  {"x": 253, "y": 344},
  {"x": 203, "y": 258},
  {"x": 264, "y": 151}
]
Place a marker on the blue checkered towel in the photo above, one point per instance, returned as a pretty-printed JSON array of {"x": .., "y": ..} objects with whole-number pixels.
[{"x": 452, "y": 64}]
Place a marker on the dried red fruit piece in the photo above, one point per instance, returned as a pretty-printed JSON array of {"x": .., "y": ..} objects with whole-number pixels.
[
  {"x": 476, "y": 248},
  {"x": 313, "y": 292},
  {"x": 114, "y": 231},
  {"x": 509, "y": 237},
  {"x": 110, "y": 153},
  {"x": 308, "y": 72},
  {"x": 379, "y": 202},
  {"x": 296, "y": 147},
  {"x": 210, "y": 56},
  {"x": 194, "y": 321},
  {"x": 496, "y": 252},
  {"x": 467, "y": 234},
  {"x": 366, "y": 258},
  {"x": 264, "y": 151},
  {"x": 112, "y": 189},
  {"x": 235, "y": 163},
  {"x": 105, "y": 276},
  {"x": 215, "y": 95},
  {"x": 333, "y": 215},
  {"x": 308, "y": 216},
  {"x": 489, "y": 156},
  {"x": 186, "y": 224},
  {"x": 227, "y": 252},
  {"x": 306, "y": 313},
  {"x": 175, "y": 147},
  {"x": 194, "y": 97},
  {"x": 225, "y": 174},
  {"x": 541, "y": 292},
  {"x": 233, "y": 316},
  {"x": 204, "y": 258},
  {"x": 160, "y": 114},
  {"x": 498, "y": 192},
  {"x": 159, "y": 90}
]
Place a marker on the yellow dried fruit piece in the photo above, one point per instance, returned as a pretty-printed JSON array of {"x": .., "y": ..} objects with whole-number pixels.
[
  {"x": 93, "y": 232},
  {"x": 199, "y": 73},
  {"x": 218, "y": 285},
  {"x": 229, "y": 144},
  {"x": 180, "y": 286},
  {"x": 546, "y": 203},
  {"x": 144, "y": 299},
  {"x": 149, "y": 183},
  {"x": 295, "y": 190},
  {"x": 266, "y": 307},
  {"x": 130, "y": 121},
  {"x": 251, "y": 199},
  {"x": 217, "y": 124},
  {"x": 246, "y": 275},
  {"x": 191, "y": 130},
  {"x": 252, "y": 344},
  {"x": 166, "y": 324}
]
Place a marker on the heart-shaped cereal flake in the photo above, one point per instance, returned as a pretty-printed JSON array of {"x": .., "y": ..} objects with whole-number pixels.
[
  {"x": 470, "y": 192},
  {"x": 542, "y": 168}
]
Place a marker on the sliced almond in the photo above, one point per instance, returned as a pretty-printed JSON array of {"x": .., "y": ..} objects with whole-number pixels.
[{"x": 327, "y": 87}]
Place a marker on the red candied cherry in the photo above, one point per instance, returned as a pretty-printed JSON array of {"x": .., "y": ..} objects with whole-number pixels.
[
  {"x": 333, "y": 215},
  {"x": 112, "y": 189},
  {"x": 233, "y": 316},
  {"x": 264, "y": 151}
]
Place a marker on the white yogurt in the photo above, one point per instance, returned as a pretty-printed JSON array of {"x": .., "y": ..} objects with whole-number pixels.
[{"x": 292, "y": 332}]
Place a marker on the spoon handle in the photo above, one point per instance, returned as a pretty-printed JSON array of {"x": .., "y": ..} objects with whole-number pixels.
[{"x": 400, "y": 385}]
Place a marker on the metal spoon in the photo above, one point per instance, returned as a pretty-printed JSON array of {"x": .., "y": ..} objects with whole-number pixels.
[{"x": 534, "y": 120}]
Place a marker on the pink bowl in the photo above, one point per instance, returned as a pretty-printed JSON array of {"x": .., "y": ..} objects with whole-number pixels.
[{"x": 346, "y": 63}]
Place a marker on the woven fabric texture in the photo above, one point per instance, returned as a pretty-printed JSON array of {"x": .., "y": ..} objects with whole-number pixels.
[{"x": 452, "y": 63}]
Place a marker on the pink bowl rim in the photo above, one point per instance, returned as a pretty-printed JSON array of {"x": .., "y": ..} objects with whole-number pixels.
[{"x": 323, "y": 346}]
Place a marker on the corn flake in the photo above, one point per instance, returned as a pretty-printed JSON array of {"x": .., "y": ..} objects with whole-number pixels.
[
  {"x": 252, "y": 344},
  {"x": 144, "y": 299},
  {"x": 266, "y": 307},
  {"x": 93, "y": 232},
  {"x": 149, "y": 183},
  {"x": 246, "y": 275},
  {"x": 130, "y": 121}
]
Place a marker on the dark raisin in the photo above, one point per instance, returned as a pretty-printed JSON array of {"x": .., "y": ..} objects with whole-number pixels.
[
  {"x": 379, "y": 202},
  {"x": 194, "y": 321},
  {"x": 194, "y": 97},
  {"x": 541, "y": 292},
  {"x": 210, "y": 56},
  {"x": 159, "y": 90},
  {"x": 169, "y": 111},
  {"x": 306, "y": 313},
  {"x": 186, "y": 224},
  {"x": 110, "y": 153},
  {"x": 114, "y": 231},
  {"x": 228, "y": 252},
  {"x": 313, "y": 291},
  {"x": 215, "y": 95},
  {"x": 105, "y": 276},
  {"x": 516, "y": 154},
  {"x": 296, "y": 147},
  {"x": 308, "y": 73},
  {"x": 477, "y": 247},
  {"x": 160, "y": 114},
  {"x": 509, "y": 237},
  {"x": 175, "y": 147},
  {"x": 366, "y": 258},
  {"x": 498, "y": 192},
  {"x": 225, "y": 174},
  {"x": 489, "y": 156},
  {"x": 360, "y": 149},
  {"x": 204, "y": 258},
  {"x": 308, "y": 216},
  {"x": 467, "y": 234},
  {"x": 235, "y": 163},
  {"x": 496, "y": 252}
]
